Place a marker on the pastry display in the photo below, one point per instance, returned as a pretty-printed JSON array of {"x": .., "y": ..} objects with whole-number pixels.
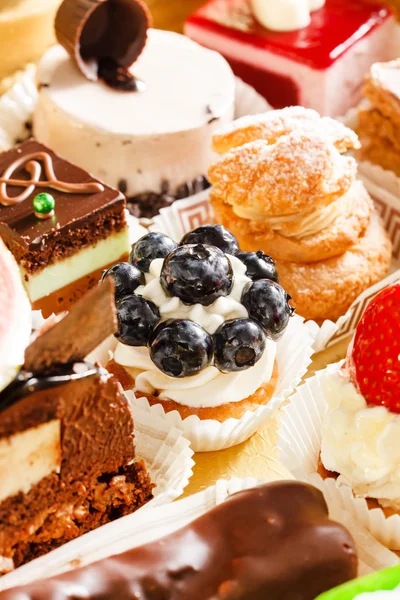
[
  {"x": 360, "y": 435},
  {"x": 122, "y": 125},
  {"x": 67, "y": 454},
  {"x": 383, "y": 585},
  {"x": 284, "y": 185},
  {"x": 379, "y": 118},
  {"x": 274, "y": 541},
  {"x": 198, "y": 324},
  {"x": 314, "y": 54},
  {"x": 62, "y": 225}
]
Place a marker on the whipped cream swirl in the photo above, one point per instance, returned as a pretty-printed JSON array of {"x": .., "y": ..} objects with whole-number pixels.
[
  {"x": 361, "y": 442},
  {"x": 210, "y": 387}
]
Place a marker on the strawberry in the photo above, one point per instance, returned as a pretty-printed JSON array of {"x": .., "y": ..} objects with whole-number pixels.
[{"x": 375, "y": 355}]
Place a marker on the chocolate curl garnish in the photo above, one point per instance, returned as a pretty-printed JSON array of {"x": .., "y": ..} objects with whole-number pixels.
[
  {"x": 90, "y": 321},
  {"x": 94, "y": 31}
]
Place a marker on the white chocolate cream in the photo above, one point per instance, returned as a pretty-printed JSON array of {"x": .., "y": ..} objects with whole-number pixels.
[
  {"x": 144, "y": 138},
  {"x": 210, "y": 387},
  {"x": 28, "y": 457},
  {"x": 285, "y": 15},
  {"x": 80, "y": 264},
  {"x": 361, "y": 442}
]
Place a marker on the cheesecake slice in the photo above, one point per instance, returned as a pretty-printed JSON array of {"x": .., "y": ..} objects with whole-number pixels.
[
  {"x": 60, "y": 254},
  {"x": 67, "y": 452}
]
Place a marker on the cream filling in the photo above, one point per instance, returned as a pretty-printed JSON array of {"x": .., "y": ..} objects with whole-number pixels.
[
  {"x": 361, "y": 442},
  {"x": 64, "y": 272},
  {"x": 28, "y": 457},
  {"x": 209, "y": 388},
  {"x": 302, "y": 224}
]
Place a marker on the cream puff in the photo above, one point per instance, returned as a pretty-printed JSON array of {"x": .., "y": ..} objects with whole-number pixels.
[
  {"x": 199, "y": 324},
  {"x": 293, "y": 193}
]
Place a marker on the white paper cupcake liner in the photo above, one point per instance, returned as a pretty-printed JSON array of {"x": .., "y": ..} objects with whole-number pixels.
[
  {"x": 128, "y": 533},
  {"x": 168, "y": 457},
  {"x": 293, "y": 357},
  {"x": 300, "y": 446}
]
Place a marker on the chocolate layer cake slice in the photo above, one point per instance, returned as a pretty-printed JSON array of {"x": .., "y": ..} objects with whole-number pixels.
[
  {"x": 67, "y": 454},
  {"x": 62, "y": 249}
]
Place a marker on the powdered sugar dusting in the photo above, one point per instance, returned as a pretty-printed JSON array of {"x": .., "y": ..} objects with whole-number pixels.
[
  {"x": 300, "y": 171},
  {"x": 272, "y": 125}
]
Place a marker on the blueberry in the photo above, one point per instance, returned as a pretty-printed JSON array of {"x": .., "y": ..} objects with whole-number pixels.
[
  {"x": 150, "y": 246},
  {"x": 197, "y": 274},
  {"x": 137, "y": 318},
  {"x": 268, "y": 303},
  {"x": 181, "y": 348},
  {"x": 238, "y": 344},
  {"x": 214, "y": 235},
  {"x": 259, "y": 265},
  {"x": 126, "y": 278}
]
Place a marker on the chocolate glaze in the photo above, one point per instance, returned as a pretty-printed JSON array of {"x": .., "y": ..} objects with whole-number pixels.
[
  {"x": 73, "y": 208},
  {"x": 119, "y": 78},
  {"x": 32, "y": 164},
  {"x": 274, "y": 542},
  {"x": 26, "y": 383}
]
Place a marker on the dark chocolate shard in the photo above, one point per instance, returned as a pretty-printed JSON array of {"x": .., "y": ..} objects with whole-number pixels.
[
  {"x": 273, "y": 542},
  {"x": 91, "y": 30},
  {"x": 91, "y": 320}
]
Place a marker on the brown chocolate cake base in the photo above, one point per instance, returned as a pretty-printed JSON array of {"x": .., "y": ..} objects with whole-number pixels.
[
  {"x": 62, "y": 299},
  {"x": 52, "y": 513},
  {"x": 73, "y": 434}
]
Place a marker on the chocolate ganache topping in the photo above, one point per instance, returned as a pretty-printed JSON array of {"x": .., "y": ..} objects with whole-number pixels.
[{"x": 273, "y": 542}]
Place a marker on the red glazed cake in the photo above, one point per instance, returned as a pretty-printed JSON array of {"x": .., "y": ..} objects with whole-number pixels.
[{"x": 306, "y": 66}]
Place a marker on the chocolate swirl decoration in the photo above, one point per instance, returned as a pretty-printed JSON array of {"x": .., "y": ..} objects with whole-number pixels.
[{"x": 31, "y": 164}]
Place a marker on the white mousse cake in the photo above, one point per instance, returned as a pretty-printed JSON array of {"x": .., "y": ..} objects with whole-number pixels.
[{"x": 146, "y": 143}]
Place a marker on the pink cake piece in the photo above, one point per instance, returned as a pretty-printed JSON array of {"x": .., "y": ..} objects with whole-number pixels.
[{"x": 321, "y": 66}]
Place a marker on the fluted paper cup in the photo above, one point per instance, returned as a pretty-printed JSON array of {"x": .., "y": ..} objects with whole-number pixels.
[
  {"x": 294, "y": 351},
  {"x": 127, "y": 533},
  {"x": 168, "y": 458},
  {"x": 299, "y": 447}
]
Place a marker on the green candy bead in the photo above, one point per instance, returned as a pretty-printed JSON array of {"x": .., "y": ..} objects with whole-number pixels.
[{"x": 43, "y": 203}]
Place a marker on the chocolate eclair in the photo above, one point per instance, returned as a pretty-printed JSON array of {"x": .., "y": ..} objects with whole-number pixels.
[{"x": 275, "y": 541}]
